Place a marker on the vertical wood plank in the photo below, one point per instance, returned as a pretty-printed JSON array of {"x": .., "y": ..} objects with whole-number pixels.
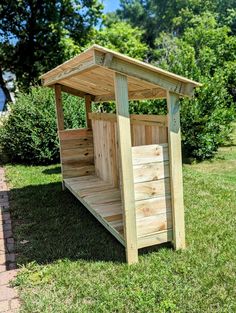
[
  {"x": 88, "y": 109},
  {"x": 60, "y": 121},
  {"x": 175, "y": 159},
  {"x": 59, "y": 109},
  {"x": 126, "y": 167}
]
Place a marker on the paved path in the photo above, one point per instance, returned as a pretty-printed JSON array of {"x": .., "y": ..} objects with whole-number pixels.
[{"x": 9, "y": 301}]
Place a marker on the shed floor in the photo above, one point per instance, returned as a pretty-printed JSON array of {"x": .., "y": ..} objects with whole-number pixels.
[{"x": 101, "y": 199}]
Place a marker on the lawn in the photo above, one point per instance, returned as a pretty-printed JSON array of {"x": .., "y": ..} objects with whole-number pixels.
[{"x": 72, "y": 264}]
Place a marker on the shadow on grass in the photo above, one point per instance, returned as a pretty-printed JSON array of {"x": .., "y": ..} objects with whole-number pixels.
[
  {"x": 50, "y": 224},
  {"x": 50, "y": 171}
]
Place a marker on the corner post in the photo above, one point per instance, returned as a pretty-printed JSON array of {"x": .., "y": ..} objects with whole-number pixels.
[
  {"x": 176, "y": 178},
  {"x": 88, "y": 109},
  {"x": 60, "y": 119},
  {"x": 126, "y": 167}
]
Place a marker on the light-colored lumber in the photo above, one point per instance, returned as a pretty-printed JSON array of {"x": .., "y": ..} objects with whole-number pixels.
[
  {"x": 150, "y": 171},
  {"x": 100, "y": 206},
  {"x": 154, "y": 223},
  {"x": 77, "y": 69},
  {"x": 176, "y": 180},
  {"x": 152, "y": 189},
  {"x": 59, "y": 108},
  {"x": 69, "y": 134},
  {"x": 155, "y": 239},
  {"x": 82, "y": 170},
  {"x": 153, "y": 206},
  {"x": 73, "y": 91},
  {"x": 155, "y": 93},
  {"x": 88, "y": 109},
  {"x": 150, "y": 154},
  {"x": 133, "y": 69},
  {"x": 126, "y": 167}
]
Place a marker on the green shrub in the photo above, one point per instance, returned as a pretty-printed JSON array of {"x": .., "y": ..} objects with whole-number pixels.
[{"x": 29, "y": 135}]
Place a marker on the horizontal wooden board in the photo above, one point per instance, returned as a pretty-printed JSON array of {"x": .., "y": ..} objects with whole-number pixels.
[
  {"x": 152, "y": 189},
  {"x": 150, "y": 171},
  {"x": 74, "y": 163},
  {"x": 76, "y": 143},
  {"x": 75, "y": 133},
  {"x": 153, "y": 224},
  {"x": 152, "y": 206},
  {"x": 79, "y": 171},
  {"x": 155, "y": 239},
  {"x": 79, "y": 153},
  {"x": 156, "y": 119},
  {"x": 150, "y": 154}
]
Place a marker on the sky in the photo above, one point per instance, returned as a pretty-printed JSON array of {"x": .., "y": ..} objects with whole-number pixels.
[{"x": 110, "y": 5}]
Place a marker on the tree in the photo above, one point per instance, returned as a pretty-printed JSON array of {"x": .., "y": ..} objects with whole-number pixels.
[
  {"x": 122, "y": 37},
  {"x": 34, "y": 34}
]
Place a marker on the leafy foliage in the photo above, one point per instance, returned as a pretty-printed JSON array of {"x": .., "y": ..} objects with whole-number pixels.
[
  {"x": 29, "y": 134},
  {"x": 35, "y": 35}
]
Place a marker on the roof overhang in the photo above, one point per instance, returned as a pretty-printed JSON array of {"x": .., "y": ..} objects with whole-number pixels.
[{"x": 92, "y": 72}]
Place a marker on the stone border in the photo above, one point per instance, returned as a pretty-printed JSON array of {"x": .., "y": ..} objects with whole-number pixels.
[{"x": 9, "y": 302}]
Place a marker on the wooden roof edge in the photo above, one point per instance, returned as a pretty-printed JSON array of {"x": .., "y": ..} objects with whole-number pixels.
[{"x": 145, "y": 65}]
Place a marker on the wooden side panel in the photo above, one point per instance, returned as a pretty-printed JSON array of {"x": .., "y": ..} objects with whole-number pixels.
[
  {"x": 77, "y": 152},
  {"x": 152, "y": 194},
  {"x": 105, "y": 150}
]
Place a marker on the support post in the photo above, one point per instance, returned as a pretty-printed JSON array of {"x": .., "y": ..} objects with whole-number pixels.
[
  {"x": 176, "y": 179},
  {"x": 126, "y": 167},
  {"x": 88, "y": 109},
  {"x": 60, "y": 119}
]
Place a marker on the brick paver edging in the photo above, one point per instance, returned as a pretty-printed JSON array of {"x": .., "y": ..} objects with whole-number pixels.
[{"x": 9, "y": 301}]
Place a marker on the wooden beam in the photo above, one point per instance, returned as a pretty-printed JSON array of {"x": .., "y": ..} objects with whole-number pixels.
[
  {"x": 88, "y": 109},
  {"x": 126, "y": 167},
  {"x": 60, "y": 122},
  {"x": 131, "y": 69},
  {"x": 73, "y": 91},
  {"x": 155, "y": 93},
  {"x": 59, "y": 109},
  {"x": 176, "y": 180},
  {"x": 81, "y": 68}
]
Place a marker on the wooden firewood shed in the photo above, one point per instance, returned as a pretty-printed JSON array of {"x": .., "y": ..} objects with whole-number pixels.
[{"x": 125, "y": 169}]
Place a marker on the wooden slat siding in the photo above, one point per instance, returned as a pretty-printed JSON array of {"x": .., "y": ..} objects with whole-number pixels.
[
  {"x": 105, "y": 205},
  {"x": 88, "y": 109},
  {"x": 77, "y": 152},
  {"x": 69, "y": 134},
  {"x": 150, "y": 154},
  {"x": 126, "y": 167},
  {"x": 155, "y": 239},
  {"x": 153, "y": 224},
  {"x": 150, "y": 171},
  {"x": 105, "y": 150},
  {"x": 176, "y": 179},
  {"x": 154, "y": 206},
  {"x": 152, "y": 189}
]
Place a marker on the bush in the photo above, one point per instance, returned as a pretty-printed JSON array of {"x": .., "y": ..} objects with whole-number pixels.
[{"x": 29, "y": 135}]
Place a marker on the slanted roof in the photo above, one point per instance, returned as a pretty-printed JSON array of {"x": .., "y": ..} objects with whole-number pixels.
[{"x": 92, "y": 72}]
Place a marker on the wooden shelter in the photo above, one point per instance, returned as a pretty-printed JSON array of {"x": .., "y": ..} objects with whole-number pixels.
[{"x": 125, "y": 169}]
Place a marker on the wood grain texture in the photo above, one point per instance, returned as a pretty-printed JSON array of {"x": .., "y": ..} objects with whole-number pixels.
[
  {"x": 88, "y": 109},
  {"x": 155, "y": 238},
  {"x": 176, "y": 179},
  {"x": 150, "y": 154},
  {"x": 102, "y": 200},
  {"x": 154, "y": 223},
  {"x": 77, "y": 152},
  {"x": 126, "y": 167},
  {"x": 153, "y": 206},
  {"x": 150, "y": 171},
  {"x": 152, "y": 189}
]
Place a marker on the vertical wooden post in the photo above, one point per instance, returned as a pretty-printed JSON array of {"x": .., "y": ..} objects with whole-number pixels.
[
  {"x": 88, "y": 109},
  {"x": 176, "y": 179},
  {"x": 59, "y": 109},
  {"x": 126, "y": 167},
  {"x": 60, "y": 119}
]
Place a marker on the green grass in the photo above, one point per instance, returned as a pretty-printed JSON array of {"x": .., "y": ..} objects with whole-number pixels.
[{"x": 70, "y": 263}]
